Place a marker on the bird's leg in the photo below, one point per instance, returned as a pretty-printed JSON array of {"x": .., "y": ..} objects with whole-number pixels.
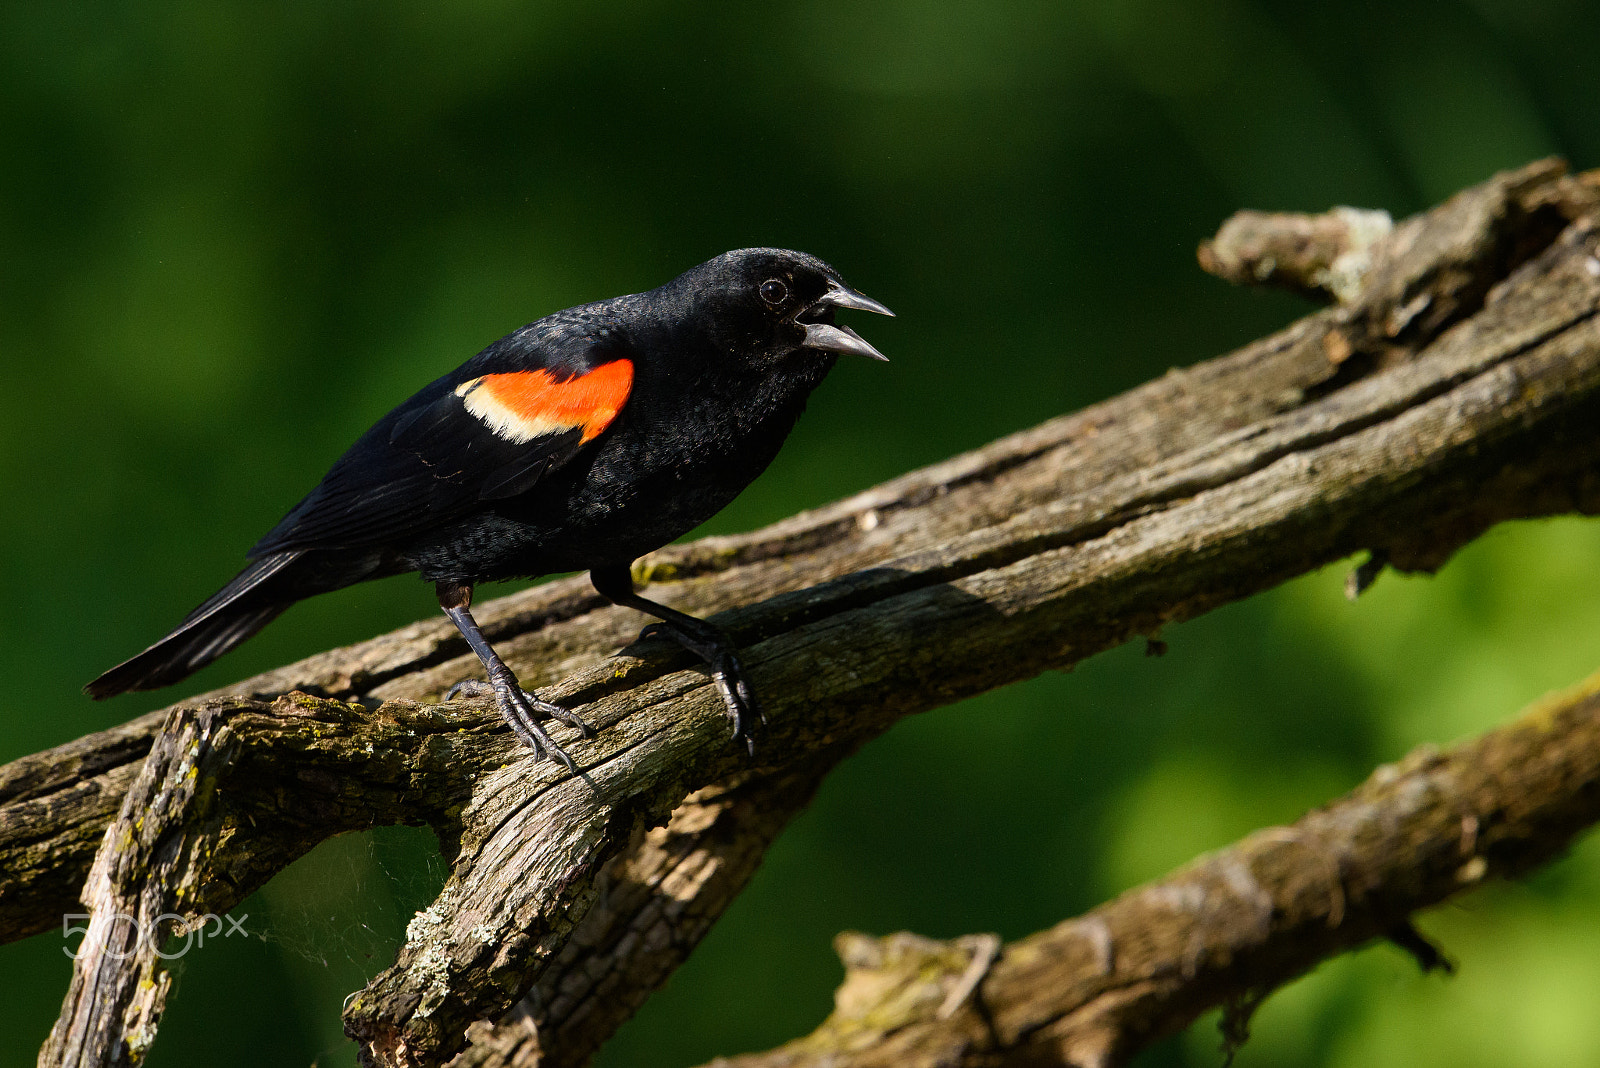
[
  {"x": 520, "y": 709},
  {"x": 703, "y": 639}
]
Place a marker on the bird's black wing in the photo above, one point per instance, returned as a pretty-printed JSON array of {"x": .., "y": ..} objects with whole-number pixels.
[{"x": 488, "y": 430}]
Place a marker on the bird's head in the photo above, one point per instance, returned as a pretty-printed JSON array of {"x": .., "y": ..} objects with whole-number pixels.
[{"x": 767, "y": 304}]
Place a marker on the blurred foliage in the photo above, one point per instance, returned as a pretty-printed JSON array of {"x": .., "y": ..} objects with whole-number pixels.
[{"x": 235, "y": 234}]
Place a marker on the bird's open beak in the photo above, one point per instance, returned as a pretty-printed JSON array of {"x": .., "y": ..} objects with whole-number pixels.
[{"x": 828, "y": 337}]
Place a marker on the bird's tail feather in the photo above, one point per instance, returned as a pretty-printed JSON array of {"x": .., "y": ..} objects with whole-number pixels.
[{"x": 241, "y": 608}]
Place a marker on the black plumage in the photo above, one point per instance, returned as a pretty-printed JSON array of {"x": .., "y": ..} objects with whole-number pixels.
[{"x": 580, "y": 442}]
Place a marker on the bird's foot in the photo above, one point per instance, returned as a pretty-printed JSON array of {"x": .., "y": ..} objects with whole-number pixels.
[
  {"x": 738, "y": 699},
  {"x": 477, "y": 688},
  {"x": 522, "y": 711},
  {"x": 712, "y": 646}
]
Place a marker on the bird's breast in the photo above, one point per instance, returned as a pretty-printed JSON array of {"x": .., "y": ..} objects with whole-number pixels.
[{"x": 673, "y": 458}]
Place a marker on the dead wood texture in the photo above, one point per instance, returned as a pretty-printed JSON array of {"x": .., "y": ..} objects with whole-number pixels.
[{"x": 1455, "y": 385}]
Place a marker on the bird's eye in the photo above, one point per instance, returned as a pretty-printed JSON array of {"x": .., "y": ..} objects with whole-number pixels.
[{"x": 773, "y": 291}]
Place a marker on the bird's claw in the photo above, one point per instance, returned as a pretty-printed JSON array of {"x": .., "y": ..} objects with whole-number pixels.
[
  {"x": 708, "y": 642},
  {"x": 738, "y": 699},
  {"x": 560, "y": 714},
  {"x": 477, "y": 688},
  {"x": 469, "y": 688},
  {"x": 522, "y": 711}
]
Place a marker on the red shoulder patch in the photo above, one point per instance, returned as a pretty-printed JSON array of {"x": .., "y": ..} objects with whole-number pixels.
[{"x": 522, "y": 405}]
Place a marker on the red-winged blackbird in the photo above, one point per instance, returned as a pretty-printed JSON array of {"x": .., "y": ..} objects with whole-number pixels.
[{"x": 580, "y": 442}]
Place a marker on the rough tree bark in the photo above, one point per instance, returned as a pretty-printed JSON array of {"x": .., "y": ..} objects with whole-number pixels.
[
  {"x": 1230, "y": 927},
  {"x": 1456, "y": 384}
]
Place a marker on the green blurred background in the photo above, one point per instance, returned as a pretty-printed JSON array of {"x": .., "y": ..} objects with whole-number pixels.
[{"x": 235, "y": 234}]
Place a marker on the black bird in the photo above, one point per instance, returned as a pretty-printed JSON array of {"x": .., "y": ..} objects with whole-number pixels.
[{"x": 580, "y": 442}]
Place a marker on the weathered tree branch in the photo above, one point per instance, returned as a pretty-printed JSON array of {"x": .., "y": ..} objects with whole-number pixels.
[
  {"x": 155, "y": 862},
  {"x": 1458, "y": 385},
  {"x": 1230, "y": 927}
]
